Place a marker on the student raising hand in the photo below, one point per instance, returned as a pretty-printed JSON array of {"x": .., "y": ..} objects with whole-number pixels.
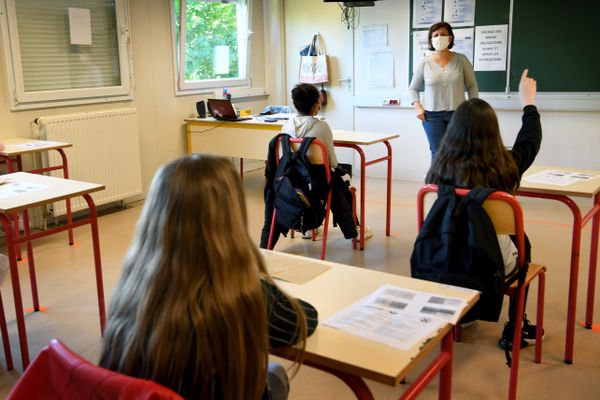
[{"x": 527, "y": 89}]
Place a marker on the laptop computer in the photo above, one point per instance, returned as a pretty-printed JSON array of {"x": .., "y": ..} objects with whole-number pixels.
[{"x": 222, "y": 109}]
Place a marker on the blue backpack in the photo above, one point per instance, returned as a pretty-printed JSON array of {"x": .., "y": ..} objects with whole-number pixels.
[
  {"x": 458, "y": 245},
  {"x": 297, "y": 197}
]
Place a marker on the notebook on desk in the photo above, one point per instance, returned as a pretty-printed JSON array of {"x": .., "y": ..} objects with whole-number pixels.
[{"x": 222, "y": 109}]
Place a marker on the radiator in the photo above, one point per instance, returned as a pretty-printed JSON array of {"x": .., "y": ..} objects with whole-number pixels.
[{"x": 105, "y": 150}]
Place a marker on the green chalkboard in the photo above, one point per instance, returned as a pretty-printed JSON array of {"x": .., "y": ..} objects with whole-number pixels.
[
  {"x": 555, "y": 39},
  {"x": 491, "y": 12}
]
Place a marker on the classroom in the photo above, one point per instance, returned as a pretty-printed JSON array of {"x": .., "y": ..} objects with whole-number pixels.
[{"x": 367, "y": 89}]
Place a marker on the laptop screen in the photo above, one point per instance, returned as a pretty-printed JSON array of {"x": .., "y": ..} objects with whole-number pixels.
[{"x": 222, "y": 109}]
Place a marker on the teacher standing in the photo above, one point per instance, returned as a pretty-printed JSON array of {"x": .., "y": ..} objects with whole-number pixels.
[{"x": 444, "y": 77}]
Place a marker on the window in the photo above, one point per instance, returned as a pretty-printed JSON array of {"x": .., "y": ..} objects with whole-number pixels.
[
  {"x": 211, "y": 38},
  {"x": 66, "y": 52}
]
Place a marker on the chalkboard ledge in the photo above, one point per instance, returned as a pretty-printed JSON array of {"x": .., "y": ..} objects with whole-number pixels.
[
  {"x": 501, "y": 101},
  {"x": 546, "y": 101}
]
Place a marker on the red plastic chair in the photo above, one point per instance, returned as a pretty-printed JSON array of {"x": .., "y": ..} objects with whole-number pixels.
[
  {"x": 317, "y": 154},
  {"x": 59, "y": 373},
  {"x": 507, "y": 216}
]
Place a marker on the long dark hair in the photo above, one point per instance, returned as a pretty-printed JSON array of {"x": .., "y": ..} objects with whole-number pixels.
[
  {"x": 188, "y": 311},
  {"x": 472, "y": 153}
]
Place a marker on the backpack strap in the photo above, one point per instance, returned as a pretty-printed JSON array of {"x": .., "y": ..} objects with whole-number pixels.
[
  {"x": 445, "y": 190},
  {"x": 285, "y": 144},
  {"x": 480, "y": 194},
  {"x": 306, "y": 142}
]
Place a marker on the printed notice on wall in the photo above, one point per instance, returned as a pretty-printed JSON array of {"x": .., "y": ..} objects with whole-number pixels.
[
  {"x": 373, "y": 36},
  {"x": 459, "y": 12},
  {"x": 426, "y": 13},
  {"x": 80, "y": 26},
  {"x": 420, "y": 47},
  {"x": 490, "y": 47},
  {"x": 381, "y": 68},
  {"x": 221, "y": 60},
  {"x": 463, "y": 42}
]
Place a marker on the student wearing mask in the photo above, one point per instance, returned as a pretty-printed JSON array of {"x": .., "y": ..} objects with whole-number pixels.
[{"x": 444, "y": 76}]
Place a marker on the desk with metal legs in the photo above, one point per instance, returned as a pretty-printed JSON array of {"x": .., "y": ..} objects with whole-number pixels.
[
  {"x": 589, "y": 189},
  {"x": 352, "y": 358},
  {"x": 16, "y": 148},
  {"x": 20, "y": 191},
  {"x": 250, "y": 139}
]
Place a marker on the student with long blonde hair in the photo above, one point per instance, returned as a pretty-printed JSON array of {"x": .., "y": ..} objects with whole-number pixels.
[{"x": 195, "y": 309}]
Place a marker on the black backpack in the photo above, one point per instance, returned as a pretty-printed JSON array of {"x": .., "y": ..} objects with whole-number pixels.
[
  {"x": 457, "y": 245},
  {"x": 297, "y": 196}
]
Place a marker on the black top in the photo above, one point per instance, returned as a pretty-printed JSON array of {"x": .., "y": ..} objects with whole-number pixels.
[
  {"x": 282, "y": 318},
  {"x": 528, "y": 141}
]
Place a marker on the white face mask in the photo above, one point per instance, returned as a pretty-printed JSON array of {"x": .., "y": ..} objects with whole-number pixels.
[{"x": 440, "y": 43}]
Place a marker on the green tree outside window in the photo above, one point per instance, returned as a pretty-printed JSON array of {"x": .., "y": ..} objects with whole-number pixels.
[{"x": 211, "y": 29}]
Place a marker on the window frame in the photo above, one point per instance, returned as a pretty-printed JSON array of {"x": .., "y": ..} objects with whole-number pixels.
[
  {"x": 19, "y": 99},
  {"x": 183, "y": 87}
]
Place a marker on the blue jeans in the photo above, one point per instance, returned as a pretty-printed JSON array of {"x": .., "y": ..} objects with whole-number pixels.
[{"x": 435, "y": 125}]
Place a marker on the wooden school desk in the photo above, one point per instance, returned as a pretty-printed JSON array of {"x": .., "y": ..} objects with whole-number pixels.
[
  {"x": 352, "y": 358},
  {"x": 586, "y": 189},
  {"x": 250, "y": 139},
  {"x": 20, "y": 191},
  {"x": 14, "y": 150}
]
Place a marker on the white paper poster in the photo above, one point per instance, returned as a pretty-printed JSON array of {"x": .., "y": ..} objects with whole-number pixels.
[
  {"x": 381, "y": 68},
  {"x": 221, "y": 60},
  {"x": 463, "y": 42},
  {"x": 373, "y": 36},
  {"x": 459, "y": 12},
  {"x": 426, "y": 13},
  {"x": 420, "y": 47},
  {"x": 80, "y": 26},
  {"x": 490, "y": 47}
]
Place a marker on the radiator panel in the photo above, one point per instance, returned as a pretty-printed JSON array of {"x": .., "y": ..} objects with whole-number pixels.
[{"x": 105, "y": 150}]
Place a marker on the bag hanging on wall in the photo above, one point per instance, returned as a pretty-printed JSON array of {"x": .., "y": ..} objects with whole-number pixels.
[{"x": 313, "y": 62}]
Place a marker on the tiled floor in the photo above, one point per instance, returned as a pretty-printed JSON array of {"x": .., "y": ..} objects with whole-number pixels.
[{"x": 66, "y": 287}]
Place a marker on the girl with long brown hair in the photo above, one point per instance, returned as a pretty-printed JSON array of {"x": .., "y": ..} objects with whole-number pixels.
[
  {"x": 472, "y": 155},
  {"x": 195, "y": 309}
]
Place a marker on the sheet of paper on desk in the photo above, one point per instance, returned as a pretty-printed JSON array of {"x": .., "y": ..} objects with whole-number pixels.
[
  {"x": 294, "y": 270},
  {"x": 8, "y": 188},
  {"x": 35, "y": 144},
  {"x": 398, "y": 317},
  {"x": 559, "y": 177}
]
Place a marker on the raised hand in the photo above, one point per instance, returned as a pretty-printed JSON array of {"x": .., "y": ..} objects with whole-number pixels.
[{"x": 527, "y": 89}]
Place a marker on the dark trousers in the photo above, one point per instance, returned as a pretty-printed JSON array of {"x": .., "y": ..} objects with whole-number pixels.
[{"x": 435, "y": 125}]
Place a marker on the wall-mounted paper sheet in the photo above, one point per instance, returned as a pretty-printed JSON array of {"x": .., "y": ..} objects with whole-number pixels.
[
  {"x": 490, "y": 47},
  {"x": 221, "y": 60},
  {"x": 381, "y": 68},
  {"x": 420, "y": 47},
  {"x": 459, "y": 12},
  {"x": 80, "y": 26},
  {"x": 426, "y": 13},
  {"x": 373, "y": 36},
  {"x": 463, "y": 42}
]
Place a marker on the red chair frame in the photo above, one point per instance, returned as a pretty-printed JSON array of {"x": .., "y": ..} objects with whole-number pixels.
[{"x": 513, "y": 290}]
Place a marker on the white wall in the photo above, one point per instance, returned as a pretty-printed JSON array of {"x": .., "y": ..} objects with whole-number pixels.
[
  {"x": 160, "y": 112},
  {"x": 571, "y": 139}
]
